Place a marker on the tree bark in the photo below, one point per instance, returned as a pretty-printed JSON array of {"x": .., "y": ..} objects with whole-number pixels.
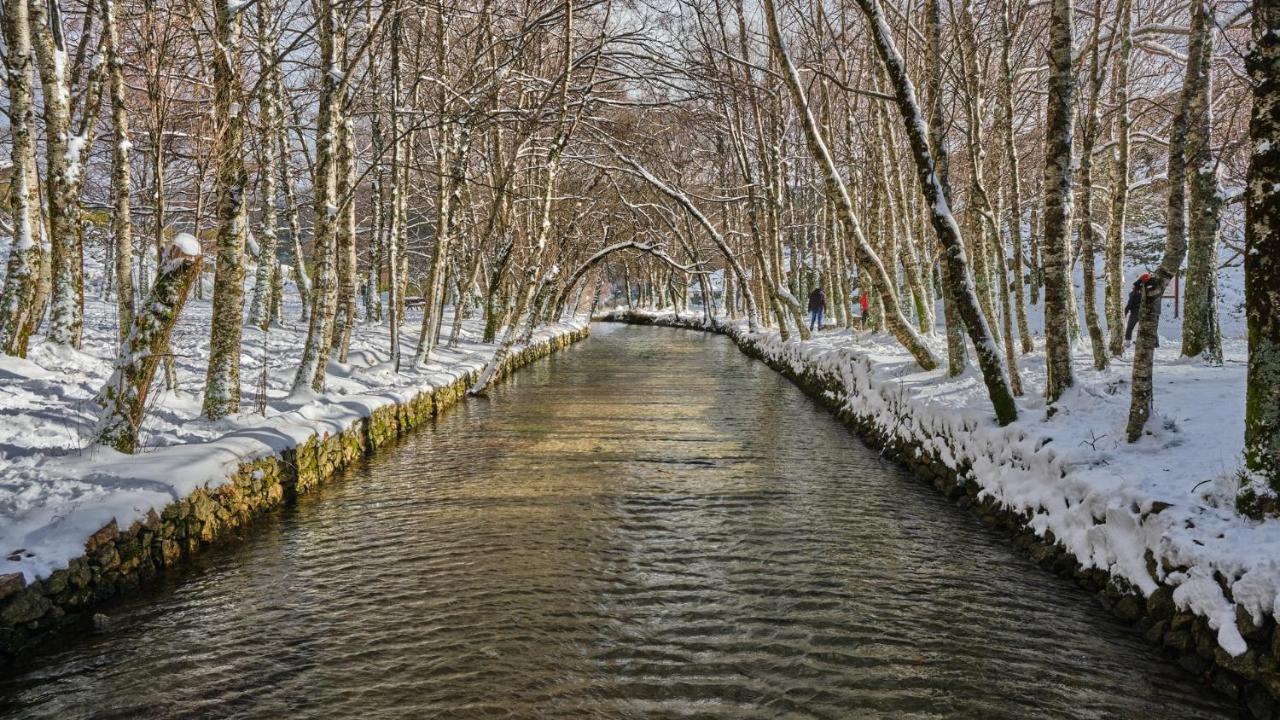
[
  {"x": 20, "y": 303},
  {"x": 1262, "y": 248},
  {"x": 1114, "y": 260},
  {"x": 292, "y": 215},
  {"x": 122, "y": 219},
  {"x": 957, "y": 353},
  {"x": 312, "y": 368},
  {"x": 1175, "y": 249},
  {"x": 1015, "y": 185},
  {"x": 345, "y": 239},
  {"x": 222, "y": 380},
  {"x": 124, "y": 398},
  {"x": 65, "y": 157},
  {"x": 260, "y": 308},
  {"x": 1058, "y": 306},
  {"x": 1201, "y": 335},
  {"x": 1088, "y": 237}
]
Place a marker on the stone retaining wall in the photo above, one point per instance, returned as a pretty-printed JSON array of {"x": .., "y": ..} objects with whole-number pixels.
[
  {"x": 118, "y": 560},
  {"x": 1252, "y": 679}
]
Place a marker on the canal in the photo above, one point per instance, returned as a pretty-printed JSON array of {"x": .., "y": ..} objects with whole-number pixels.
[{"x": 646, "y": 525}]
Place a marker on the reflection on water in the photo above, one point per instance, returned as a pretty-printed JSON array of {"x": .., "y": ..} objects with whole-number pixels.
[{"x": 646, "y": 525}]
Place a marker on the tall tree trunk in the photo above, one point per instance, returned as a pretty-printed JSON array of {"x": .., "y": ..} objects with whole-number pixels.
[
  {"x": 20, "y": 303},
  {"x": 1015, "y": 185},
  {"x": 1201, "y": 334},
  {"x": 1262, "y": 248},
  {"x": 395, "y": 200},
  {"x": 1088, "y": 237},
  {"x": 1114, "y": 261},
  {"x": 1058, "y": 306},
  {"x": 1035, "y": 261},
  {"x": 1006, "y": 313},
  {"x": 377, "y": 221},
  {"x": 982, "y": 232},
  {"x": 65, "y": 157},
  {"x": 957, "y": 354},
  {"x": 312, "y": 368},
  {"x": 292, "y": 213},
  {"x": 260, "y": 308},
  {"x": 345, "y": 319},
  {"x": 1175, "y": 249},
  {"x": 122, "y": 219},
  {"x": 222, "y": 381},
  {"x": 159, "y": 203}
]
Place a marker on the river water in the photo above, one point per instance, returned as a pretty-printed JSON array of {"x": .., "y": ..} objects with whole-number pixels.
[{"x": 646, "y": 525}]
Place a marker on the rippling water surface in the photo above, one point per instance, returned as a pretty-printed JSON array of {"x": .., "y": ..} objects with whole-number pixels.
[{"x": 646, "y": 525}]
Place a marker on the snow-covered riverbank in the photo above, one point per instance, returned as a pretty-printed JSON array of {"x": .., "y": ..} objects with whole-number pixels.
[
  {"x": 1157, "y": 516},
  {"x": 57, "y": 490}
]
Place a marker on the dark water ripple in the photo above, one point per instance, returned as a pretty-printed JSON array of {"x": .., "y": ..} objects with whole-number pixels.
[{"x": 648, "y": 525}]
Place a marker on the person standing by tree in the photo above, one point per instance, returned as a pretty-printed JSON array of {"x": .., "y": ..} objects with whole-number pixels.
[
  {"x": 817, "y": 306},
  {"x": 1133, "y": 305}
]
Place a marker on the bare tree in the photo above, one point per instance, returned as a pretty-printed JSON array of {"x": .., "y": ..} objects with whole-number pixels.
[
  {"x": 1201, "y": 334},
  {"x": 1175, "y": 248},
  {"x": 121, "y": 173},
  {"x": 867, "y": 257},
  {"x": 66, "y": 154},
  {"x": 1262, "y": 248},
  {"x": 123, "y": 399},
  {"x": 1058, "y": 307},
  {"x": 21, "y": 304},
  {"x": 222, "y": 381}
]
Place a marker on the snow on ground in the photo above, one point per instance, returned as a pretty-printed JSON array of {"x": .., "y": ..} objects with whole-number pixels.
[
  {"x": 1108, "y": 502},
  {"x": 56, "y": 488}
]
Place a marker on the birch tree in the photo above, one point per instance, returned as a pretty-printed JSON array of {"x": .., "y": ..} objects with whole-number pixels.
[
  {"x": 1201, "y": 335},
  {"x": 960, "y": 288},
  {"x": 312, "y": 369},
  {"x": 267, "y": 276},
  {"x": 956, "y": 352},
  {"x": 222, "y": 379},
  {"x": 1262, "y": 248},
  {"x": 1055, "y": 248},
  {"x": 21, "y": 304},
  {"x": 121, "y": 173},
  {"x": 66, "y": 153},
  {"x": 123, "y": 400},
  {"x": 1114, "y": 260},
  {"x": 1175, "y": 248}
]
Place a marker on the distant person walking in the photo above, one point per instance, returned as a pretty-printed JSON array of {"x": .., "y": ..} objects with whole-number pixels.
[
  {"x": 863, "y": 304},
  {"x": 1133, "y": 305},
  {"x": 817, "y": 306}
]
